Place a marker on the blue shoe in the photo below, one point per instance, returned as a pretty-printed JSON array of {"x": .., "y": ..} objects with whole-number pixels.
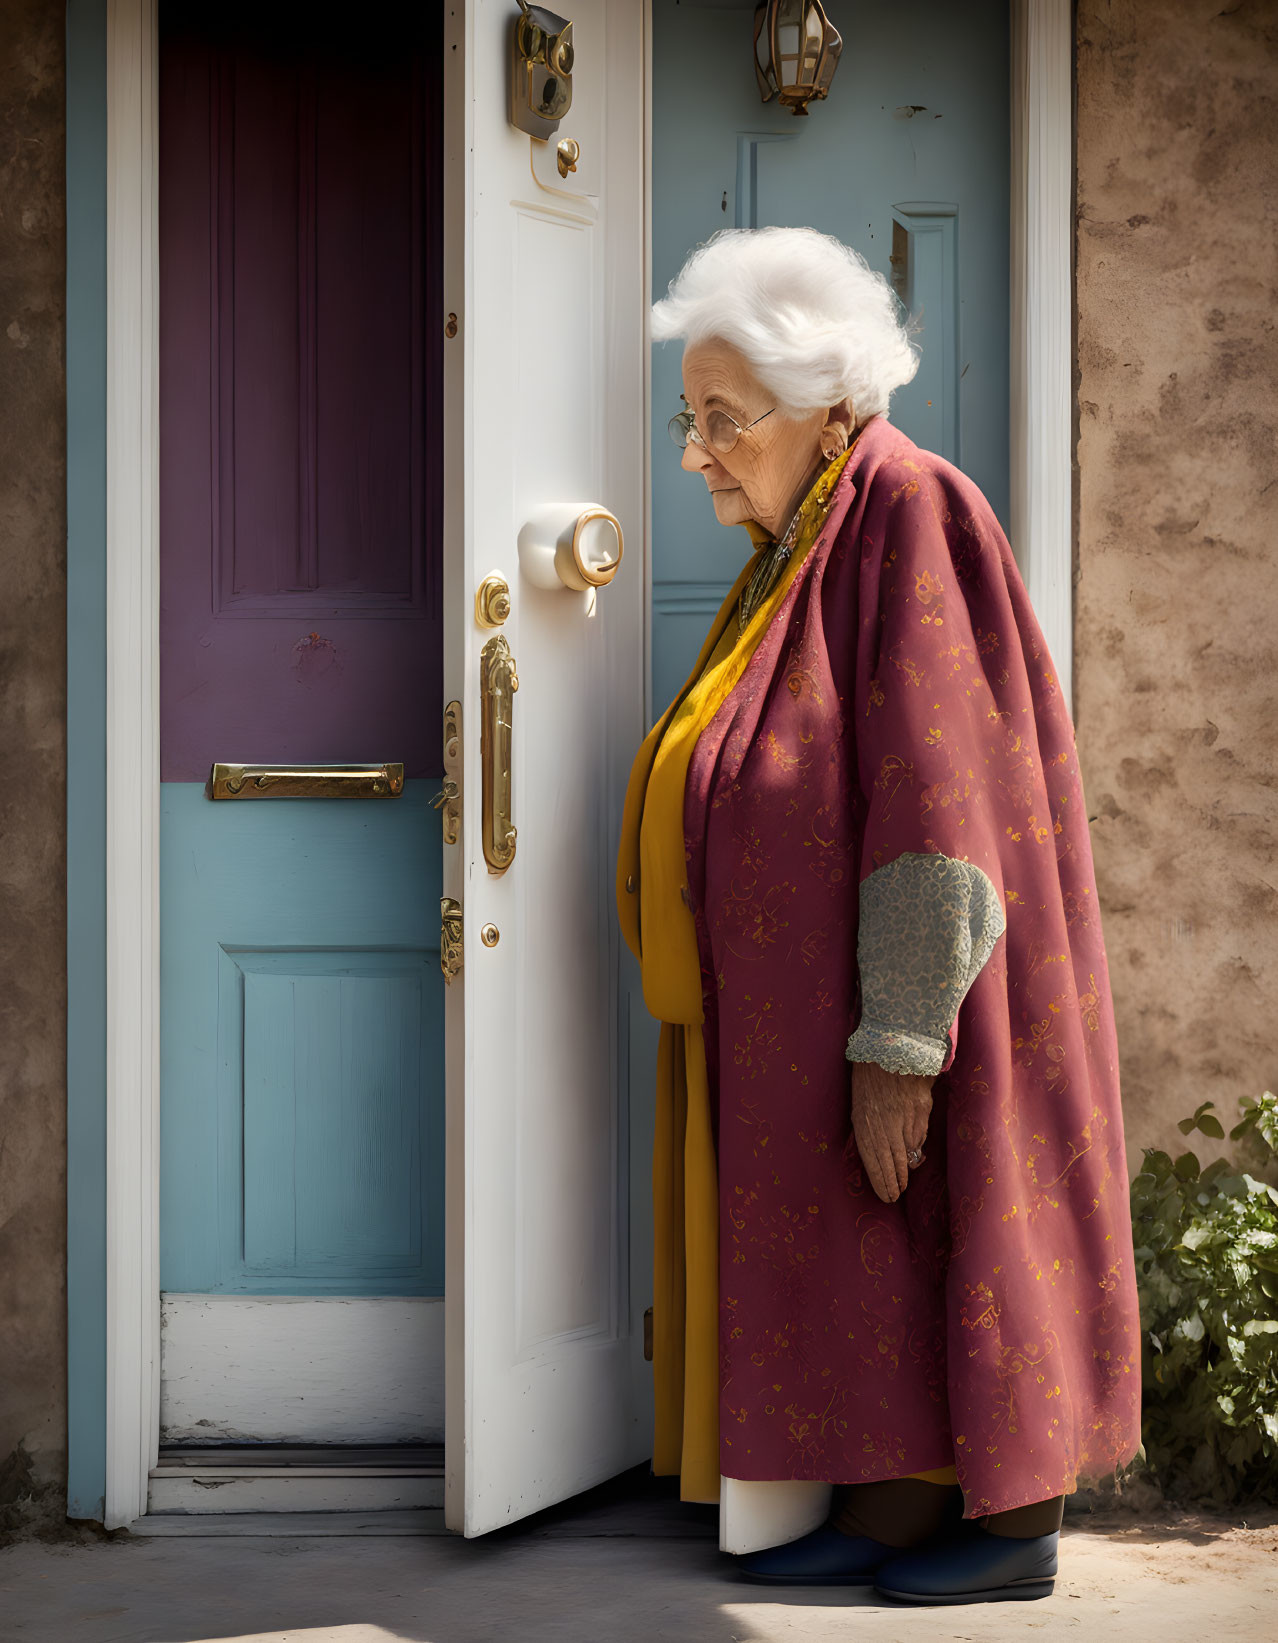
[
  {"x": 971, "y": 1565},
  {"x": 826, "y": 1557}
]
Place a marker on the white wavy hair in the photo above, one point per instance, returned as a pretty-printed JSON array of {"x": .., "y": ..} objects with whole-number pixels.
[{"x": 816, "y": 322}]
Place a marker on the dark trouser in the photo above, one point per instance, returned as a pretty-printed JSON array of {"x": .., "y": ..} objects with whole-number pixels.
[{"x": 905, "y": 1511}]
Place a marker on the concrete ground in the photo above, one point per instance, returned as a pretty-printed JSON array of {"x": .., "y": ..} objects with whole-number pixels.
[{"x": 635, "y": 1568}]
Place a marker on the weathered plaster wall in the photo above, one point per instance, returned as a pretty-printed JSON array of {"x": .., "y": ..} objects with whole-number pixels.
[
  {"x": 32, "y": 759},
  {"x": 1177, "y": 597}
]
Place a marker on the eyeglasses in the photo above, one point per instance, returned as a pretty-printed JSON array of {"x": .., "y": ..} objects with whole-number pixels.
[{"x": 720, "y": 434}]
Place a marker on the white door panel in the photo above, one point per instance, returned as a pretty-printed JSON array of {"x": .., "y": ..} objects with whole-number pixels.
[{"x": 547, "y": 1391}]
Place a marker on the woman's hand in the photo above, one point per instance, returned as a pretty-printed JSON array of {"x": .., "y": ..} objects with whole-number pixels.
[{"x": 889, "y": 1120}]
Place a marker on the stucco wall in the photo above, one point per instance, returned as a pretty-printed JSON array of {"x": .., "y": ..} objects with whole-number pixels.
[
  {"x": 32, "y": 760},
  {"x": 1177, "y": 599}
]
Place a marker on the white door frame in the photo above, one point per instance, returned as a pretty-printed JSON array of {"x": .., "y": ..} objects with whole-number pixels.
[
  {"x": 1042, "y": 528},
  {"x": 132, "y": 762},
  {"x": 1042, "y": 317}
]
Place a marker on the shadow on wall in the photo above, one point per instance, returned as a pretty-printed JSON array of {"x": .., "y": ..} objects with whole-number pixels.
[{"x": 33, "y": 748}]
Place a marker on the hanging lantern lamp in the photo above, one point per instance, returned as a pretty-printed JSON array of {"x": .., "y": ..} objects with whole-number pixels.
[{"x": 796, "y": 51}]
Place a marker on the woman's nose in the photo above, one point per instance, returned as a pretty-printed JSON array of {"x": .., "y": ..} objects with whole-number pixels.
[{"x": 696, "y": 459}]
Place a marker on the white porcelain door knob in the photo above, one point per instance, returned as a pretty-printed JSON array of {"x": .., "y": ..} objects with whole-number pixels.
[{"x": 566, "y": 545}]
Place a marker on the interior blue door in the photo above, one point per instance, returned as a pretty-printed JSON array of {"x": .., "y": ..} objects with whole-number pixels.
[
  {"x": 907, "y": 159},
  {"x": 301, "y": 993}
]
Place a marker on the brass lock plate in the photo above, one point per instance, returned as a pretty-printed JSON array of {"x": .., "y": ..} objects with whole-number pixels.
[
  {"x": 449, "y": 798},
  {"x": 450, "y": 936},
  {"x": 492, "y": 601},
  {"x": 541, "y": 65}
]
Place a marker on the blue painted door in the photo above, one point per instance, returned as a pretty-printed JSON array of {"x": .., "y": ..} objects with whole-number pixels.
[
  {"x": 908, "y": 158},
  {"x": 301, "y": 993}
]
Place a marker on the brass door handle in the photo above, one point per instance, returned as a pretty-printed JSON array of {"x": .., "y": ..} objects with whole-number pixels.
[
  {"x": 498, "y": 683},
  {"x": 306, "y": 781}
]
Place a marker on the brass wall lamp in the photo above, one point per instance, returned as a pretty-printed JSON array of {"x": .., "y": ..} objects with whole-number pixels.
[{"x": 796, "y": 51}]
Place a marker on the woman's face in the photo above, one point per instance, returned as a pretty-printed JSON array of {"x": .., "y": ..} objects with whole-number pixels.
[{"x": 769, "y": 470}]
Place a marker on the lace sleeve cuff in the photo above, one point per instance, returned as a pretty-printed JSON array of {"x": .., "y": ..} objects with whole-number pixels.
[
  {"x": 898, "y": 1051},
  {"x": 928, "y": 924}
]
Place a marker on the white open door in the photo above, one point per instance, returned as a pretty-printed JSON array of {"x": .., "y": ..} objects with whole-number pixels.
[{"x": 547, "y": 1392}]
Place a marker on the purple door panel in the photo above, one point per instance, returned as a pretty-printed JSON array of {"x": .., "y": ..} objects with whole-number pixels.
[{"x": 300, "y": 356}]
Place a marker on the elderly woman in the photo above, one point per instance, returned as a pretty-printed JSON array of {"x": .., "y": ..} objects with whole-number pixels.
[{"x": 893, "y": 1245}]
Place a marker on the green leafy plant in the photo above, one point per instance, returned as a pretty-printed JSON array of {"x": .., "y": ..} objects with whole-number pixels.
[{"x": 1207, "y": 1272}]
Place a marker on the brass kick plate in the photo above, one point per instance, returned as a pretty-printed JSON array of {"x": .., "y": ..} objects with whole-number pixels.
[{"x": 306, "y": 781}]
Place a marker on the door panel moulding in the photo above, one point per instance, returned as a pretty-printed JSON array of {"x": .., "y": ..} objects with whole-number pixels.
[
  {"x": 748, "y": 144},
  {"x": 925, "y": 240}
]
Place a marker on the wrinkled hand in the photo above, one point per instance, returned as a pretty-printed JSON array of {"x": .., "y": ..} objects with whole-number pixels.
[{"x": 889, "y": 1119}]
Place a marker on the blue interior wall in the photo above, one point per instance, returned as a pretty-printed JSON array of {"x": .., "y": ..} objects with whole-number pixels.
[{"x": 86, "y": 757}]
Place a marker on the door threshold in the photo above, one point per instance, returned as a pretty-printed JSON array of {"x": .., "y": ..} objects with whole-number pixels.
[
  {"x": 296, "y": 1525},
  {"x": 401, "y": 1457},
  {"x": 191, "y": 1481}
]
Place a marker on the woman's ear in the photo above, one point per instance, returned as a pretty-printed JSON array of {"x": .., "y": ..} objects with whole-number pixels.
[{"x": 840, "y": 421}]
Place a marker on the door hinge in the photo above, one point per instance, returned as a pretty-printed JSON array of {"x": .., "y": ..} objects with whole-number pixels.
[
  {"x": 647, "y": 1334},
  {"x": 450, "y": 936}
]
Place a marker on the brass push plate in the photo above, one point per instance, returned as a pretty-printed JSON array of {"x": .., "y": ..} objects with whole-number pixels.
[{"x": 306, "y": 781}]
